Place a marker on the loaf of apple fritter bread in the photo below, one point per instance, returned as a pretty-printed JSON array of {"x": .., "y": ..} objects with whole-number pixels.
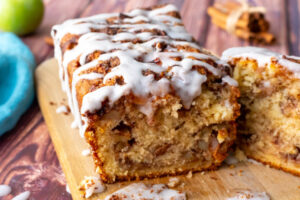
[
  {"x": 269, "y": 125},
  {"x": 145, "y": 96}
]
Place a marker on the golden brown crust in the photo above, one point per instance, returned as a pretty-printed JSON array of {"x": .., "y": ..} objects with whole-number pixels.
[
  {"x": 275, "y": 165},
  {"x": 158, "y": 175},
  {"x": 173, "y": 138}
]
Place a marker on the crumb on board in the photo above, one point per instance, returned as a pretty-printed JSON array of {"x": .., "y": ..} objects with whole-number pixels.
[
  {"x": 182, "y": 185},
  {"x": 91, "y": 185},
  {"x": 240, "y": 155},
  {"x": 173, "y": 182},
  {"x": 86, "y": 152},
  {"x": 190, "y": 174},
  {"x": 63, "y": 109},
  {"x": 240, "y": 173},
  {"x": 52, "y": 103}
]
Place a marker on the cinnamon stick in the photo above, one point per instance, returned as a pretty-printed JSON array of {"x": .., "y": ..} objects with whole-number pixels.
[
  {"x": 243, "y": 23},
  {"x": 258, "y": 38},
  {"x": 250, "y": 25}
]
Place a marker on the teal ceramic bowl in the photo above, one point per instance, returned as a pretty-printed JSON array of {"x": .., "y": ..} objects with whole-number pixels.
[{"x": 16, "y": 80}]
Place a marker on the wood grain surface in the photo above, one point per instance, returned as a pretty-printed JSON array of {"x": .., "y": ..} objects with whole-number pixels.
[
  {"x": 215, "y": 185},
  {"x": 27, "y": 157}
]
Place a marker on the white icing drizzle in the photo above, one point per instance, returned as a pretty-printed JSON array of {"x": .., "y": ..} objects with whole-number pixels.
[
  {"x": 139, "y": 191},
  {"x": 263, "y": 57},
  {"x": 62, "y": 109},
  {"x": 23, "y": 196},
  {"x": 136, "y": 19},
  {"x": 86, "y": 152},
  {"x": 163, "y": 10},
  {"x": 4, "y": 190},
  {"x": 230, "y": 81},
  {"x": 247, "y": 195},
  {"x": 294, "y": 57},
  {"x": 184, "y": 79}
]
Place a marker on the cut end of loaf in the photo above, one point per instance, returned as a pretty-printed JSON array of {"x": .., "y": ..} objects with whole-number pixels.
[
  {"x": 175, "y": 141},
  {"x": 268, "y": 128}
]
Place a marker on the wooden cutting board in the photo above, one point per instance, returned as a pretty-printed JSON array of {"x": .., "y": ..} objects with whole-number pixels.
[{"x": 214, "y": 185}]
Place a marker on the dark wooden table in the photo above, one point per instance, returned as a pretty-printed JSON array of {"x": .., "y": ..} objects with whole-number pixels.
[{"x": 27, "y": 158}]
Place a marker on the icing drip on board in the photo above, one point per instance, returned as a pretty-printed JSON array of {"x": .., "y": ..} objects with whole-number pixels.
[
  {"x": 247, "y": 195},
  {"x": 23, "y": 196},
  {"x": 4, "y": 190},
  {"x": 62, "y": 109},
  {"x": 162, "y": 44},
  {"x": 91, "y": 185},
  {"x": 139, "y": 191}
]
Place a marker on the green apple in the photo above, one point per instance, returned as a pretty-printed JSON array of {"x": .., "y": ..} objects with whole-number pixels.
[{"x": 20, "y": 16}]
